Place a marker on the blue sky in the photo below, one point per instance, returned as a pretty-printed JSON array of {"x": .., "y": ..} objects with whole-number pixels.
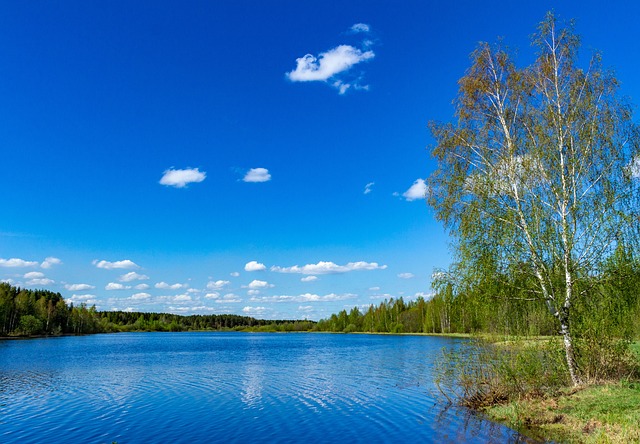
[{"x": 258, "y": 158}]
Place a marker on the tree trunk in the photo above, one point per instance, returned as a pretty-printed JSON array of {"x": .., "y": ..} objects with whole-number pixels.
[{"x": 569, "y": 352}]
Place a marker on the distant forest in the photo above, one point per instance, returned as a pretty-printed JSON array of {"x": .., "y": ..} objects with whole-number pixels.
[
  {"x": 40, "y": 312},
  {"x": 458, "y": 305}
]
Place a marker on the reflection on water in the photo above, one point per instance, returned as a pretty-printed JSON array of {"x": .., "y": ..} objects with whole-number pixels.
[{"x": 231, "y": 387}]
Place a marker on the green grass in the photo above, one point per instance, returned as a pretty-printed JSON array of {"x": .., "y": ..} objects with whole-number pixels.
[
  {"x": 597, "y": 414},
  {"x": 636, "y": 348}
]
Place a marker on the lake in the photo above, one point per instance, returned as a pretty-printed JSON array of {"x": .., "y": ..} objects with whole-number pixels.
[{"x": 231, "y": 387}]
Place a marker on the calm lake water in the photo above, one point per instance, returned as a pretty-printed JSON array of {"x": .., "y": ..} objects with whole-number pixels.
[{"x": 230, "y": 387}]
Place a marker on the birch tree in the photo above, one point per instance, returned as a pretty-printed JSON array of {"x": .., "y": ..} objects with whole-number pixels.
[{"x": 540, "y": 170}]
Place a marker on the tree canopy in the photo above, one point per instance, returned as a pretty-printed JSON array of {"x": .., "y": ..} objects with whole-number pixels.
[{"x": 539, "y": 176}]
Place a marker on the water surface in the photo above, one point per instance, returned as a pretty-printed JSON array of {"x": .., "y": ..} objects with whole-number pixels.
[{"x": 230, "y": 387}]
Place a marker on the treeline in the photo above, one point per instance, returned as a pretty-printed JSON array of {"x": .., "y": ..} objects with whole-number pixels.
[
  {"x": 26, "y": 312},
  {"x": 505, "y": 304},
  {"x": 114, "y": 321}
]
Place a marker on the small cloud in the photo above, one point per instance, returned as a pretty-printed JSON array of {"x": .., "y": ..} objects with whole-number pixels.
[
  {"x": 116, "y": 286},
  {"x": 229, "y": 298},
  {"x": 255, "y": 311},
  {"x": 255, "y": 284},
  {"x": 140, "y": 296},
  {"x": 309, "y": 279},
  {"x": 117, "y": 264},
  {"x": 374, "y": 288},
  {"x": 254, "y": 266},
  {"x": 79, "y": 287},
  {"x": 212, "y": 295},
  {"x": 253, "y": 292},
  {"x": 40, "y": 281},
  {"x": 50, "y": 261},
  {"x": 80, "y": 298},
  {"x": 417, "y": 191},
  {"x": 132, "y": 276},
  {"x": 234, "y": 274},
  {"x": 368, "y": 187},
  {"x": 257, "y": 175},
  {"x": 181, "y": 178},
  {"x": 328, "y": 64},
  {"x": 15, "y": 262},
  {"x": 182, "y": 298},
  {"x": 33, "y": 275},
  {"x": 406, "y": 275},
  {"x": 360, "y": 27},
  {"x": 165, "y": 286},
  {"x": 141, "y": 287},
  {"x": 217, "y": 285}
]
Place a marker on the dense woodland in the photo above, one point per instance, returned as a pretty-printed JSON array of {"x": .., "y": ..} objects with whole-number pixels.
[
  {"x": 458, "y": 306},
  {"x": 40, "y": 312},
  {"x": 494, "y": 305}
]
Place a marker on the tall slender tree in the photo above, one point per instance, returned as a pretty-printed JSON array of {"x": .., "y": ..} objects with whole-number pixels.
[{"x": 540, "y": 170}]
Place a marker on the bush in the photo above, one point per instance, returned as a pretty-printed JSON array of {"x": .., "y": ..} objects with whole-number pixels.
[
  {"x": 30, "y": 325},
  {"x": 483, "y": 374}
]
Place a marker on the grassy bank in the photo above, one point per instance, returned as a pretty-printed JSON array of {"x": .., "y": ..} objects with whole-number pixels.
[
  {"x": 607, "y": 413},
  {"x": 596, "y": 413}
]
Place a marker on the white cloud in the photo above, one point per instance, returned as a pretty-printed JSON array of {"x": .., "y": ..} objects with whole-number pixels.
[
  {"x": 328, "y": 64},
  {"x": 234, "y": 274},
  {"x": 49, "y": 261},
  {"x": 374, "y": 288},
  {"x": 80, "y": 298},
  {"x": 329, "y": 268},
  {"x": 140, "y": 296},
  {"x": 256, "y": 284},
  {"x": 257, "y": 175},
  {"x": 165, "y": 286},
  {"x": 306, "y": 297},
  {"x": 417, "y": 191},
  {"x": 33, "y": 275},
  {"x": 212, "y": 295},
  {"x": 117, "y": 264},
  {"x": 309, "y": 279},
  {"x": 133, "y": 276},
  {"x": 40, "y": 281},
  {"x": 181, "y": 178},
  {"x": 254, "y": 266},
  {"x": 116, "y": 286},
  {"x": 182, "y": 298},
  {"x": 15, "y": 262},
  {"x": 255, "y": 311},
  {"x": 229, "y": 298},
  {"x": 217, "y": 285},
  {"x": 406, "y": 275},
  {"x": 360, "y": 27},
  {"x": 253, "y": 292},
  {"x": 141, "y": 287},
  {"x": 79, "y": 287},
  {"x": 368, "y": 187}
]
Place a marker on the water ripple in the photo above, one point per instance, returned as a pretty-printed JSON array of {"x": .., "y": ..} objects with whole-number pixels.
[{"x": 212, "y": 387}]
